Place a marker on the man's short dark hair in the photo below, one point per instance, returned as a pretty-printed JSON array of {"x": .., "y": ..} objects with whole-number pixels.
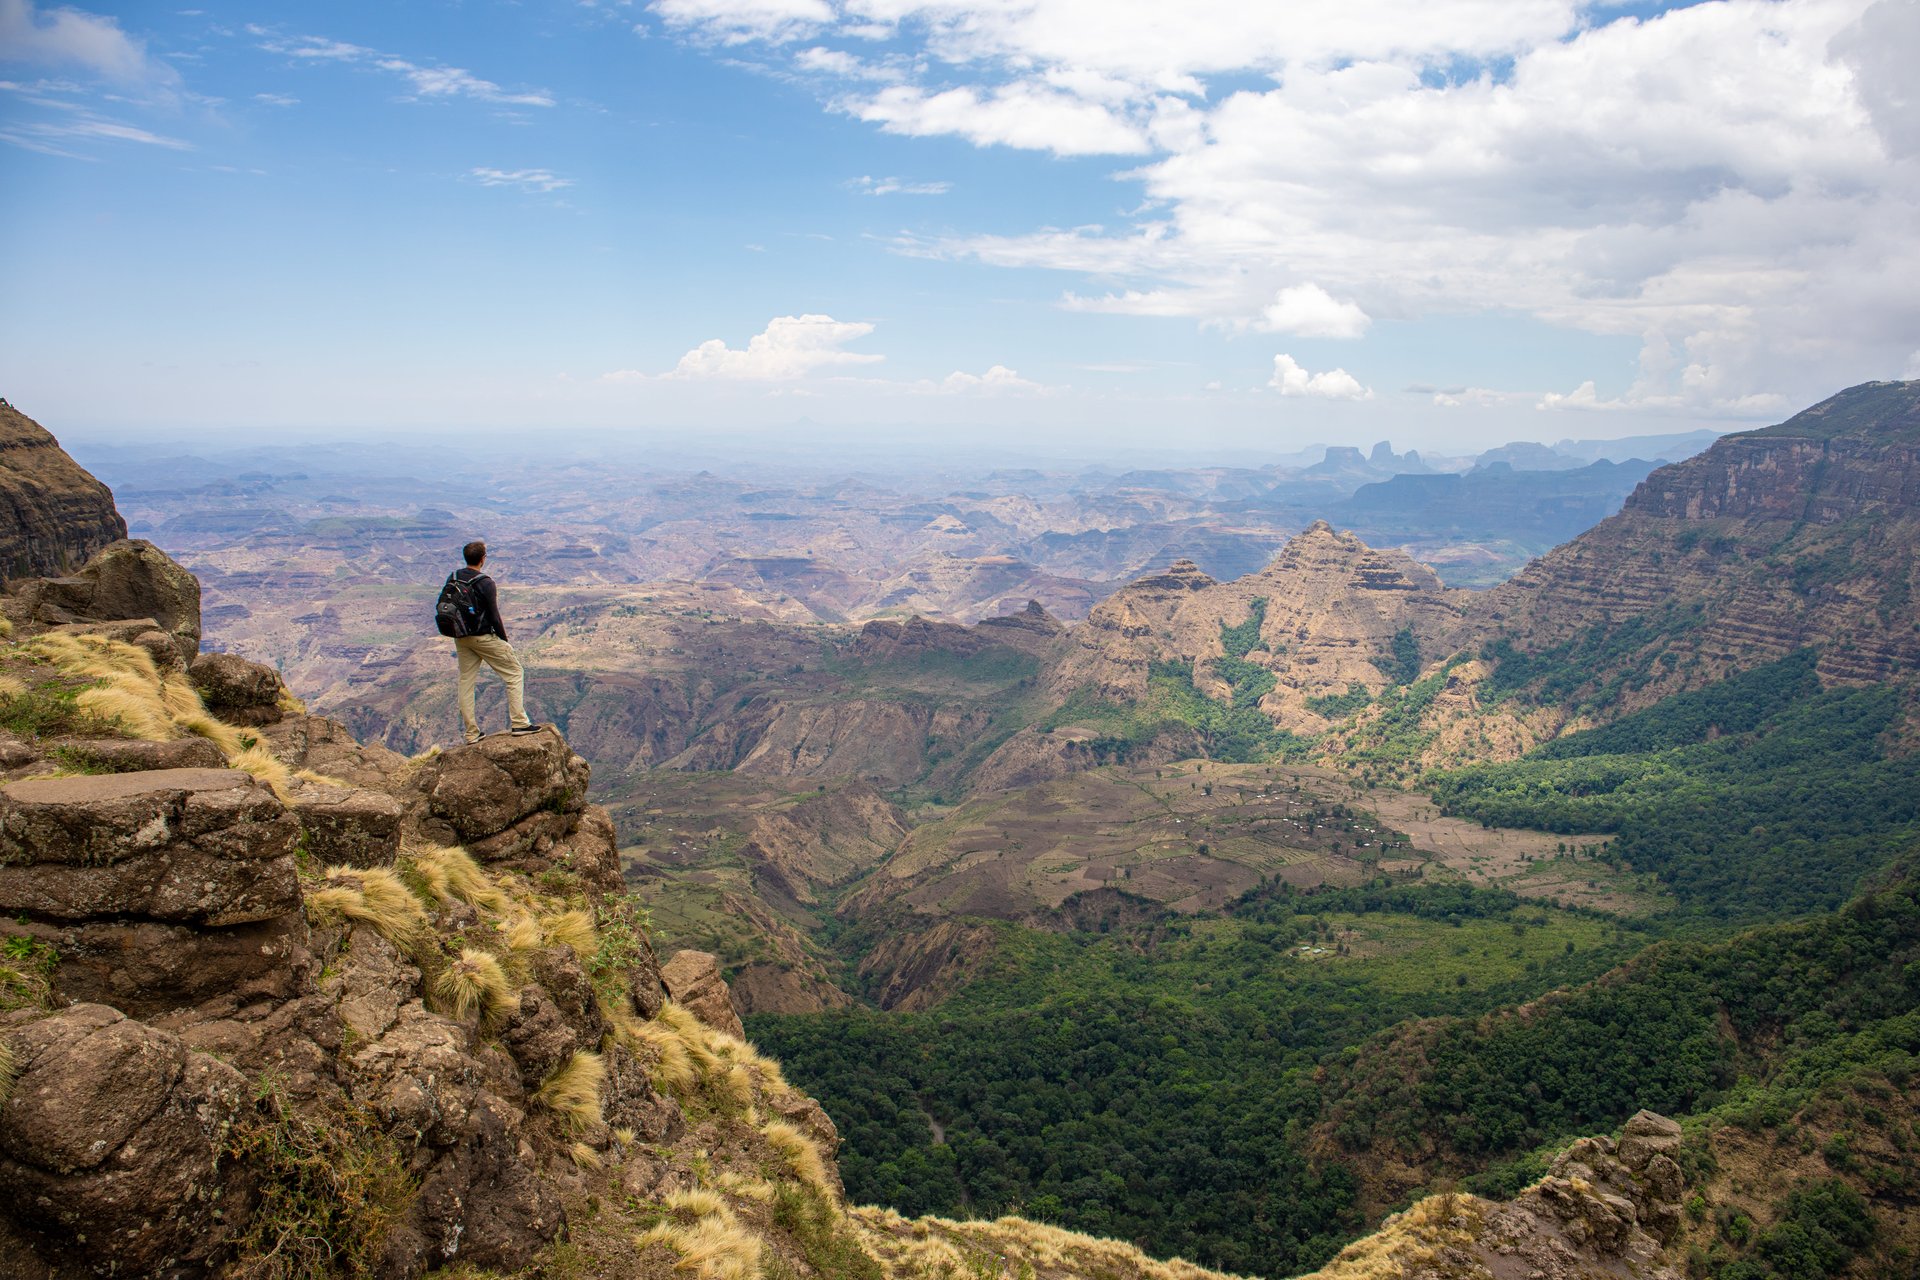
[{"x": 474, "y": 551}]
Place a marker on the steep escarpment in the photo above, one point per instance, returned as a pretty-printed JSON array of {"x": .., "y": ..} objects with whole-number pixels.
[
  {"x": 53, "y": 514},
  {"x": 1804, "y": 534}
]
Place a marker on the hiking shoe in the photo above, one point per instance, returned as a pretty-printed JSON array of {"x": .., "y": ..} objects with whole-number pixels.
[{"x": 521, "y": 731}]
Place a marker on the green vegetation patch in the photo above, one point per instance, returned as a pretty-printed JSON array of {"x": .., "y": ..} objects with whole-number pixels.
[
  {"x": 1338, "y": 706},
  {"x": 1402, "y": 661},
  {"x": 1672, "y": 1031},
  {"x": 330, "y": 1189},
  {"x": 1758, "y": 797},
  {"x": 1590, "y": 671}
]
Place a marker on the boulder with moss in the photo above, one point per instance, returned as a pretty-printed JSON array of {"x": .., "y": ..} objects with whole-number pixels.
[
  {"x": 126, "y": 580},
  {"x": 238, "y": 691}
]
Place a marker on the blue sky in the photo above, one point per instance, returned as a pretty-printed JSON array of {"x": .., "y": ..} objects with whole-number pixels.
[{"x": 1451, "y": 222}]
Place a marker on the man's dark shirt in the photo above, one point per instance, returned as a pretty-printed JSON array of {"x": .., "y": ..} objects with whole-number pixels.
[{"x": 490, "y": 624}]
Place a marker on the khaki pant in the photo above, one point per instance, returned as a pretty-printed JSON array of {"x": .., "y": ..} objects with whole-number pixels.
[{"x": 498, "y": 654}]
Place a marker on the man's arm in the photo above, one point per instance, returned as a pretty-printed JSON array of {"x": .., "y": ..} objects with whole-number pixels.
[{"x": 483, "y": 587}]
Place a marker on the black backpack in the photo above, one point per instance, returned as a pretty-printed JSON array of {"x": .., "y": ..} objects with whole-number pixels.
[{"x": 458, "y": 613}]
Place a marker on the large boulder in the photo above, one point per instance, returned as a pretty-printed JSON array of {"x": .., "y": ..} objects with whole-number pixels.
[
  {"x": 349, "y": 826},
  {"x": 481, "y": 1199},
  {"x": 112, "y": 1146},
  {"x": 156, "y": 887},
  {"x": 208, "y": 847},
  {"x": 518, "y": 803},
  {"x": 135, "y": 755},
  {"x": 481, "y": 790},
  {"x": 53, "y": 514},
  {"x": 126, "y": 580},
  {"x": 328, "y": 748},
  {"x": 238, "y": 691}
]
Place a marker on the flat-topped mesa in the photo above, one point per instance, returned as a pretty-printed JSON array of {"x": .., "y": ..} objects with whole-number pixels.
[
  {"x": 53, "y": 514},
  {"x": 1802, "y": 534}
]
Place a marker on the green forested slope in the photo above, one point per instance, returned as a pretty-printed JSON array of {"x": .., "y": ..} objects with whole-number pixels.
[
  {"x": 1157, "y": 1084},
  {"x": 1759, "y": 797}
]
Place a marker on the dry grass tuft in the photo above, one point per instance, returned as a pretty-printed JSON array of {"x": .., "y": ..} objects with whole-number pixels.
[
  {"x": 1410, "y": 1241},
  {"x": 454, "y": 874},
  {"x": 689, "y": 1206},
  {"x": 745, "y": 1186},
  {"x": 572, "y": 1092},
  {"x": 801, "y": 1156},
  {"x": 941, "y": 1249},
  {"x": 735, "y": 1087},
  {"x": 673, "y": 1070},
  {"x": 181, "y": 699},
  {"x": 9, "y": 1071},
  {"x": 585, "y": 1156},
  {"x": 319, "y": 779},
  {"x": 12, "y": 687},
  {"x": 475, "y": 983},
  {"x": 571, "y": 929},
  {"x": 715, "y": 1245},
  {"x": 214, "y": 730},
  {"x": 522, "y": 933},
  {"x": 701, "y": 1041},
  {"x": 262, "y": 764},
  {"x": 372, "y": 897},
  {"x": 136, "y": 711}
]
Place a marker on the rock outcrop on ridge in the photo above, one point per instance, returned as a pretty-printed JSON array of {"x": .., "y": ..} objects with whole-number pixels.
[{"x": 53, "y": 515}]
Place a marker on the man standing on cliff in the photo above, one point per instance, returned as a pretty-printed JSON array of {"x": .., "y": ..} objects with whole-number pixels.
[{"x": 486, "y": 642}]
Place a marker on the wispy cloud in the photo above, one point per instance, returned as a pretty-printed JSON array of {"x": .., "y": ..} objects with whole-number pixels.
[
  {"x": 538, "y": 180},
  {"x": 842, "y": 65},
  {"x": 71, "y": 37},
  {"x": 445, "y": 82},
  {"x": 48, "y": 136},
  {"x": 742, "y": 21},
  {"x": 277, "y": 99},
  {"x": 427, "y": 80},
  {"x": 898, "y": 187}
]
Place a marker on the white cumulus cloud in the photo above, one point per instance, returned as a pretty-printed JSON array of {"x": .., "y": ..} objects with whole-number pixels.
[
  {"x": 1335, "y": 384},
  {"x": 1308, "y": 311},
  {"x": 1732, "y": 184},
  {"x": 1016, "y": 115},
  {"x": 998, "y": 379},
  {"x": 789, "y": 347}
]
